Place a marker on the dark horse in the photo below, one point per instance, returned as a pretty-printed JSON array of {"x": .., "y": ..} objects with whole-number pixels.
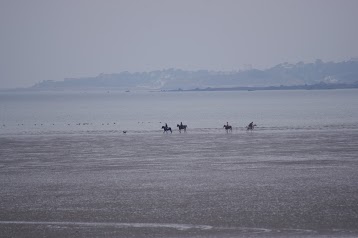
[
  {"x": 228, "y": 128},
  {"x": 166, "y": 129},
  {"x": 251, "y": 127},
  {"x": 182, "y": 127}
]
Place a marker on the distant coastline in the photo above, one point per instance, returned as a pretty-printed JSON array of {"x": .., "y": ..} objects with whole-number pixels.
[
  {"x": 304, "y": 76},
  {"x": 319, "y": 86}
]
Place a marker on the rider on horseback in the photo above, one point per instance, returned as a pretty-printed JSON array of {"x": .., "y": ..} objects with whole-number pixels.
[
  {"x": 166, "y": 128},
  {"x": 228, "y": 127},
  {"x": 251, "y": 125},
  {"x": 181, "y": 127}
]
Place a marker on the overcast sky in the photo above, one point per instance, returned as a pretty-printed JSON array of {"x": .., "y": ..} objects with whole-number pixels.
[{"x": 56, "y": 39}]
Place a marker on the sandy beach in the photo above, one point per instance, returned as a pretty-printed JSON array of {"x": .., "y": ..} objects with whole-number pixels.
[{"x": 264, "y": 184}]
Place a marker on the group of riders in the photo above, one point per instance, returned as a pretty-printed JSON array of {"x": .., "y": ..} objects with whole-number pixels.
[
  {"x": 227, "y": 127},
  {"x": 180, "y": 126}
]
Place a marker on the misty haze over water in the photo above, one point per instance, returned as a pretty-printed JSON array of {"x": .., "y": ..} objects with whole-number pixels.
[{"x": 86, "y": 87}]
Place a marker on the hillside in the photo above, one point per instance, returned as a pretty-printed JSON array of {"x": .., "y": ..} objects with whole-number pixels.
[{"x": 285, "y": 74}]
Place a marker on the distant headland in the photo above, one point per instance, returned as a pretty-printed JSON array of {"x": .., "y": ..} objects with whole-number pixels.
[{"x": 285, "y": 76}]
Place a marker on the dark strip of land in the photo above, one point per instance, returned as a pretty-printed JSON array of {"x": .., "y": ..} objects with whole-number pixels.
[{"x": 319, "y": 86}]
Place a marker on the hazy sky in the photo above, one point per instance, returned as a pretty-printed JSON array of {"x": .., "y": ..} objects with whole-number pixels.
[{"x": 56, "y": 39}]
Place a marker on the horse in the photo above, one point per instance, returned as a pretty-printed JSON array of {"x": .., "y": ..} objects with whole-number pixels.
[
  {"x": 228, "y": 128},
  {"x": 251, "y": 127},
  {"x": 182, "y": 127},
  {"x": 166, "y": 129}
]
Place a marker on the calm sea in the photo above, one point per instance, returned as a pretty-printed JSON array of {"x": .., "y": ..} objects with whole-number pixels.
[{"x": 142, "y": 112}]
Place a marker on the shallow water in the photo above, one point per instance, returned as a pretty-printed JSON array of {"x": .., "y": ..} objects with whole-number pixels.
[
  {"x": 294, "y": 176},
  {"x": 260, "y": 184},
  {"x": 66, "y": 112}
]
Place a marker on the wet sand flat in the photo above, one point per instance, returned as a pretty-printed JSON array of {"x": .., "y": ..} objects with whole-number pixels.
[{"x": 260, "y": 184}]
